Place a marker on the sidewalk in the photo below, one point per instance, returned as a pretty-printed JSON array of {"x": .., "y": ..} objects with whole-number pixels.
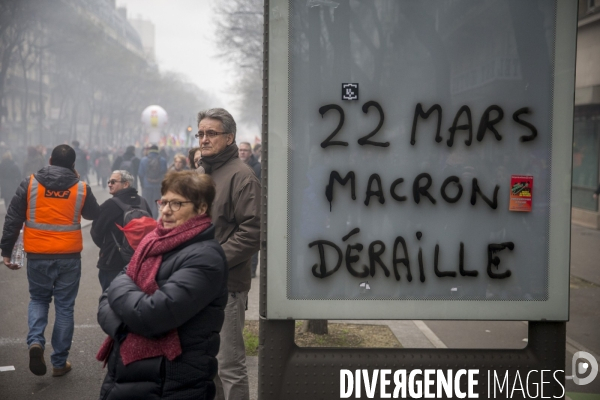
[{"x": 585, "y": 253}]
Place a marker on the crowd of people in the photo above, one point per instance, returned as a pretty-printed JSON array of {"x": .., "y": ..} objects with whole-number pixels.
[{"x": 175, "y": 263}]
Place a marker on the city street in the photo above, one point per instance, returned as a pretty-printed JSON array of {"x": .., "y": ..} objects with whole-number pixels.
[
  {"x": 87, "y": 375},
  {"x": 462, "y": 180}
]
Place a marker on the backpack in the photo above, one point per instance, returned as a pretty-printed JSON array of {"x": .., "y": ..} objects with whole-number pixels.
[
  {"x": 137, "y": 223},
  {"x": 127, "y": 165},
  {"x": 153, "y": 170}
]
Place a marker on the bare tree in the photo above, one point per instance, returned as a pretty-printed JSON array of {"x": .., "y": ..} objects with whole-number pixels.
[
  {"x": 240, "y": 37},
  {"x": 15, "y": 19},
  {"x": 27, "y": 60}
]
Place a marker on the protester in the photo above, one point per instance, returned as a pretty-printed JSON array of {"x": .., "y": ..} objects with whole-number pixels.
[
  {"x": 250, "y": 159},
  {"x": 10, "y": 176},
  {"x": 34, "y": 162},
  {"x": 128, "y": 162},
  {"x": 105, "y": 232},
  {"x": 194, "y": 156},
  {"x": 151, "y": 172},
  {"x": 179, "y": 163},
  {"x": 81, "y": 164},
  {"x": 103, "y": 168},
  {"x": 50, "y": 203},
  {"x": 164, "y": 315},
  {"x": 94, "y": 156},
  {"x": 237, "y": 222},
  {"x": 163, "y": 153},
  {"x": 258, "y": 152}
]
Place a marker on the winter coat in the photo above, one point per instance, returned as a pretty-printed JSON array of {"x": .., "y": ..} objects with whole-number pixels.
[
  {"x": 103, "y": 167},
  {"x": 10, "y": 176},
  {"x": 192, "y": 295},
  {"x": 255, "y": 165},
  {"x": 236, "y": 213},
  {"x": 51, "y": 177},
  {"x": 104, "y": 227},
  {"x": 81, "y": 161}
]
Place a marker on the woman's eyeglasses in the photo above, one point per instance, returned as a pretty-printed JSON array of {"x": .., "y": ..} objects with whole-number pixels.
[
  {"x": 174, "y": 205},
  {"x": 209, "y": 134}
]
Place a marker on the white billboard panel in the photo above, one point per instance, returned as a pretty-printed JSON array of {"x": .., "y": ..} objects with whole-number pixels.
[{"x": 419, "y": 159}]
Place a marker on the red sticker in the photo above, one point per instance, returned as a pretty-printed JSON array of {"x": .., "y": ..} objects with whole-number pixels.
[{"x": 521, "y": 192}]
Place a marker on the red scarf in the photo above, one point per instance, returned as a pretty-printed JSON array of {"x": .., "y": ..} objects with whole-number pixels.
[{"x": 142, "y": 269}]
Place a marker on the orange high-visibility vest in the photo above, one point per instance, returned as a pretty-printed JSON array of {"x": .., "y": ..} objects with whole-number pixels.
[{"x": 53, "y": 219}]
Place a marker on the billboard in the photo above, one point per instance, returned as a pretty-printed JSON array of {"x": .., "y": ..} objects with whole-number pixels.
[{"x": 420, "y": 159}]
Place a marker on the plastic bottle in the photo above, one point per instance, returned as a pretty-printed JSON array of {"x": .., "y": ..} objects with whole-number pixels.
[{"x": 18, "y": 254}]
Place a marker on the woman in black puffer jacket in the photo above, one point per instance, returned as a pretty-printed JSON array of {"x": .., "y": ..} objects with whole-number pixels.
[{"x": 163, "y": 316}]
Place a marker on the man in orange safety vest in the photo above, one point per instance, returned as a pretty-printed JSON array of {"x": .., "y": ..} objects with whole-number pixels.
[{"x": 50, "y": 203}]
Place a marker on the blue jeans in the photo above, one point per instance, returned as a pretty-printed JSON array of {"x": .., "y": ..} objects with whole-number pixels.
[{"x": 48, "y": 278}]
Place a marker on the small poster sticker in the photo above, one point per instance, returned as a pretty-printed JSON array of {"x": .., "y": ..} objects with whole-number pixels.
[
  {"x": 349, "y": 91},
  {"x": 521, "y": 192}
]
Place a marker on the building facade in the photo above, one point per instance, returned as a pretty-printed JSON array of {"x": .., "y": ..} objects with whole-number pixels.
[
  {"x": 55, "y": 87},
  {"x": 586, "y": 134}
]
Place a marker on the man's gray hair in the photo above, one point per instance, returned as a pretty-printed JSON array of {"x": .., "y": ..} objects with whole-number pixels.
[
  {"x": 125, "y": 176},
  {"x": 222, "y": 115}
]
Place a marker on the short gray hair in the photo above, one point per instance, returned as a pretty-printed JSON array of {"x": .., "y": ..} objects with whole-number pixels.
[
  {"x": 222, "y": 115},
  {"x": 125, "y": 175}
]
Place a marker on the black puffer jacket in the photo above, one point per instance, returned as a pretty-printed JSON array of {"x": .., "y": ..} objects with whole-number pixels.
[
  {"x": 104, "y": 228},
  {"x": 192, "y": 295}
]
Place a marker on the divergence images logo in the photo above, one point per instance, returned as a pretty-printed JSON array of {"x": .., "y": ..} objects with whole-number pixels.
[{"x": 581, "y": 368}]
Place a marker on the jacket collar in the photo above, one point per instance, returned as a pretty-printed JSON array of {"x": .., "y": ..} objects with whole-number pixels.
[
  {"x": 127, "y": 192},
  {"x": 54, "y": 177},
  {"x": 252, "y": 161},
  {"x": 212, "y": 163}
]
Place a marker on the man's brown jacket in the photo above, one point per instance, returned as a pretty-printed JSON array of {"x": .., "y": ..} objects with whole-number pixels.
[{"x": 235, "y": 213}]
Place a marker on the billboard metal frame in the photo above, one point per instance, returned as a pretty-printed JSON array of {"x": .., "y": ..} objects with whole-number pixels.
[
  {"x": 276, "y": 126},
  {"x": 290, "y": 372}
]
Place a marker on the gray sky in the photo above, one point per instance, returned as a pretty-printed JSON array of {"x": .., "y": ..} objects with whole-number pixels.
[{"x": 185, "y": 31}]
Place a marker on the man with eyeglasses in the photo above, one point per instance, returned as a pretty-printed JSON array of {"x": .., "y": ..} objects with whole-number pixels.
[
  {"x": 236, "y": 216},
  {"x": 104, "y": 230}
]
